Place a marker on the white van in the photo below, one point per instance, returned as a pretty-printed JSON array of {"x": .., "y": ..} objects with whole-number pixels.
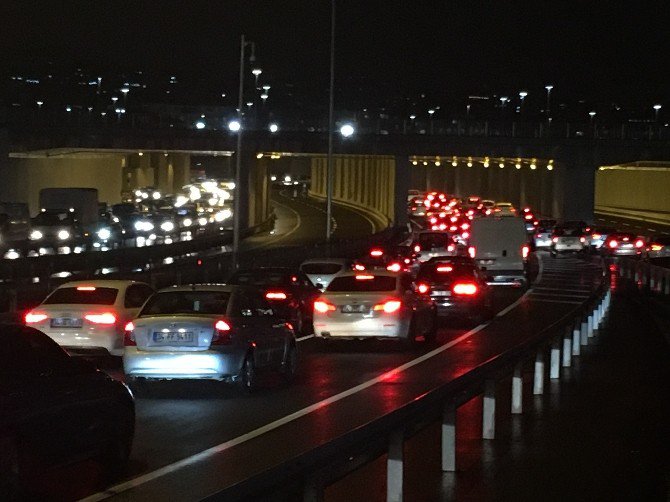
[{"x": 500, "y": 248}]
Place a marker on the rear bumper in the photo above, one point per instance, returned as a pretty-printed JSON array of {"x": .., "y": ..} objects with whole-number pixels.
[
  {"x": 448, "y": 306},
  {"x": 98, "y": 340},
  {"x": 380, "y": 327},
  {"x": 207, "y": 364}
]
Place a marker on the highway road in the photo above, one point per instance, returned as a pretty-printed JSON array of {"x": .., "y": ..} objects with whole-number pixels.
[{"x": 185, "y": 430}]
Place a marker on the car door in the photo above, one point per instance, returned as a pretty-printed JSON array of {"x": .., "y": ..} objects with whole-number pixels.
[
  {"x": 252, "y": 328},
  {"x": 274, "y": 329}
]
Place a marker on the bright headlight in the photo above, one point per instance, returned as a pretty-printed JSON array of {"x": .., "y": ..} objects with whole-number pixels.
[
  {"x": 167, "y": 226},
  {"x": 187, "y": 222},
  {"x": 63, "y": 235},
  {"x": 202, "y": 221},
  {"x": 36, "y": 235},
  {"x": 104, "y": 234}
]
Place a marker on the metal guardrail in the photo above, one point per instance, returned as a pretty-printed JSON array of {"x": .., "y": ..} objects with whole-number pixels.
[
  {"x": 310, "y": 473},
  {"x": 654, "y": 278}
]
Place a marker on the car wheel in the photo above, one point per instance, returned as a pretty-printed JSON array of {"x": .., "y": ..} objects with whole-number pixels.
[
  {"x": 248, "y": 376},
  {"x": 138, "y": 386},
  {"x": 290, "y": 364}
]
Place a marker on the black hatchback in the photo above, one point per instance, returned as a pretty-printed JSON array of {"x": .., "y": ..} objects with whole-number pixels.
[
  {"x": 288, "y": 290},
  {"x": 457, "y": 286},
  {"x": 56, "y": 410}
]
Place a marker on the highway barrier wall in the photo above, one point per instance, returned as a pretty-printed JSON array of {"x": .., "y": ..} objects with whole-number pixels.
[{"x": 637, "y": 191}]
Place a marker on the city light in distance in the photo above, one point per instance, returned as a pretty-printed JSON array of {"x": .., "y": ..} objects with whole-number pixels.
[
  {"x": 347, "y": 130},
  {"x": 274, "y": 128},
  {"x": 234, "y": 125},
  {"x": 199, "y": 124}
]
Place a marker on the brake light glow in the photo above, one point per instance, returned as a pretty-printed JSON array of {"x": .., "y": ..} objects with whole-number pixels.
[
  {"x": 275, "y": 295},
  {"x": 394, "y": 267},
  {"x": 465, "y": 226},
  {"x": 222, "y": 333},
  {"x": 656, "y": 247},
  {"x": 104, "y": 318},
  {"x": 445, "y": 268},
  {"x": 582, "y": 239},
  {"x": 554, "y": 240},
  {"x": 323, "y": 307},
  {"x": 34, "y": 317},
  {"x": 465, "y": 288},
  {"x": 472, "y": 251},
  {"x": 613, "y": 244},
  {"x": 451, "y": 247},
  {"x": 639, "y": 243},
  {"x": 524, "y": 251},
  {"x": 389, "y": 306},
  {"x": 465, "y": 235},
  {"x": 361, "y": 277},
  {"x": 417, "y": 249},
  {"x": 528, "y": 216},
  {"x": 85, "y": 288},
  {"x": 358, "y": 266},
  {"x": 128, "y": 335},
  {"x": 422, "y": 288}
]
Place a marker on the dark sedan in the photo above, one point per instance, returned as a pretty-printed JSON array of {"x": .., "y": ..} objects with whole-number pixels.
[
  {"x": 288, "y": 290},
  {"x": 457, "y": 287},
  {"x": 56, "y": 410}
]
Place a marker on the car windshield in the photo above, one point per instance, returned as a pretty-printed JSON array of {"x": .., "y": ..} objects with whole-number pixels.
[
  {"x": 51, "y": 219},
  {"x": 321, "y": 268},
  {"x": 363, "y": 283},
  {"x": 82, "y": 295},
  {"x": 187, "y": 302}
]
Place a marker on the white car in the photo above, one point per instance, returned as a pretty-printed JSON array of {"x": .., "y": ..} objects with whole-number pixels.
[
  {"x": 89, "y": 316},
  {"x": 566, "y": 240},
  {"x": 504, "y": 209},
  {"x": 322, "y": 270},
  {"x": 377, "y": 304}
]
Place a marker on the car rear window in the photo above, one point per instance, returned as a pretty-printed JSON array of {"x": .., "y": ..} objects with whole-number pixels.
[
  {"x": 351, "y": 283},
  {"x": 84, "y": 295},
  {"x": 567, "y": 232},
  {"x": 321, "y": 268},
  {"x": 445, "y": 272},
  {"x": 428, "y": 241},
  {"x": 262, "y": 278},
  {"x": 187, "y": 302}
]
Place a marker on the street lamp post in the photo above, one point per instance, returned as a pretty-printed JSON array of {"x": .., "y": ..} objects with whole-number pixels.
[
  {"x": 522, "y": 96},
  {"x": 548, "y": 88},
  {"x": 657, "y": 109},
  {"x": 238, "y": 153},
  {"x": 431, "y": 112},
  {"x": 592, "y": 114},
  {"x": 331, "y": 126}
]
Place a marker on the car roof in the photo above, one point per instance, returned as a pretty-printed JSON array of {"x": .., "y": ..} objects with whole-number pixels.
[
  {"x": 203, "y": 287},
  {"x": 338, "y": 261},
  {"x": 379, "y": 272},
  {"x": 102, "y": 283}
]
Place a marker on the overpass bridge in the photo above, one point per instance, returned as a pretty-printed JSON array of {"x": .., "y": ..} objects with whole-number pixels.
[{"x": 118, "y": 159}]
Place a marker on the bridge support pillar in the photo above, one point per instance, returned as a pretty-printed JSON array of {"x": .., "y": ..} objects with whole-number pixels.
[
  {"x": 538, "y": 377},
  {"x": 517, "y": 390},
  {"x": 449, "y": 438},
  {"x": 395, "y": 467},
  {"x": 489, "y": 410}
]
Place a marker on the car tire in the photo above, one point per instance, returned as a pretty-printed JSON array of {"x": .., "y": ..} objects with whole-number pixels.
[
  {"x": 290, "y": 364},
  {"x": 248, "y": 375}
]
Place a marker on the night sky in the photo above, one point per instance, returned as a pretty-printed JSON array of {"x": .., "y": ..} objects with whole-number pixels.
[{"x": 600, "y": 51}]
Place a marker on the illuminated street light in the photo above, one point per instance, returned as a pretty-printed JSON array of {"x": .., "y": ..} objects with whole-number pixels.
[
  {"x": 39, "y": 104},
  {"x": 266, "y": 88},
  {"x": 347, "y": 130},
  {"x": 412, "y": 117},
  {"x": 503, "y": 100},
  {"x": 68, "y": 108},
  {"x": 264, "y": 97},
  {"x": 273, "y": 128},
  {"x": 125, "y": 91},
  {"x": 548, "y": 88},
  {"x": 592, "y": 114},
  {"x": 199, "y": 124},
  {"x": 234, "y": 125},
  {"x": 256, "y": 73},
  {"x": 657, "y": 108}
]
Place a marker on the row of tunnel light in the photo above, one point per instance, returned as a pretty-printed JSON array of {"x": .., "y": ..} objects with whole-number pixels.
[{"x": 485, "y": 161}]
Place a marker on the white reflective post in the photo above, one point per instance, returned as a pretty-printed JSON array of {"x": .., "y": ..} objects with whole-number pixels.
[
  {"x": 489, "y": 410},
  {"x": 538, "y": 378},
  {"x": 517, "y": 389},
  {"x": 576, "y": 337},
  {"x": 394, "y": 467},
  {"x": 567, "y": 348},
  {"x": 449, "y": 438},
  {"x": 555, "y": 361},
  {"x": 584, "y": 333},
  {"x": 589, "y": 325}
]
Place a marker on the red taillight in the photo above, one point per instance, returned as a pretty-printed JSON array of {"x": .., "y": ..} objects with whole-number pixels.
[
  {"x": 472, "y": 251},
  {"x": 389, "y": 306},
  {"x": 524, "y": 251},
  {"x": 656, "y": 247},
  {"x": 465, "y": 226},
  {"x": 445, "y": 268},
  {"x": 358, "y": 266},
  {"x": 85, "y": 288},
  {"x": 34, "y": 317},
  {"x": 596, "y": 237},
  {"x": 529, "y": 216},
  {"x": 222, "y": 333},
  {"x": 639, "y": 243},
  {"x": 128, "y": 335},
  {"x": 422, "y": 288},
  {"x": 465, "y": 235},
  {"x": 582, "y": 239},
  {"x": 275, "y": 295},
  {"x": 613, "y": 244},
  {"x": 394, "y": 267},
  {"x": 376, "y": 253},
  {"x": 323, "y": 307},
  {"x": 554, "y": 240},
  {"x": 465, "y": 288},
  {"x": 105, "y": 318}
]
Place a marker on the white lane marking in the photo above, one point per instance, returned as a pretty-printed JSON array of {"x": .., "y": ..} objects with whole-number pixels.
[
  {"x": 651, "y": 229},
  {"x": 214, "y": 450},
  {"x": 302, "y": 338}
]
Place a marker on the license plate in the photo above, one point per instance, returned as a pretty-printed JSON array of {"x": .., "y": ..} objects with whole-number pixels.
[
  {"x": 173, "y": 336},
  {"x": 486, "y": 262},
  {"x": 66, "y": 322},
  {"x": 441, "y": 293},
  {"x": 355, "y": 309}
]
